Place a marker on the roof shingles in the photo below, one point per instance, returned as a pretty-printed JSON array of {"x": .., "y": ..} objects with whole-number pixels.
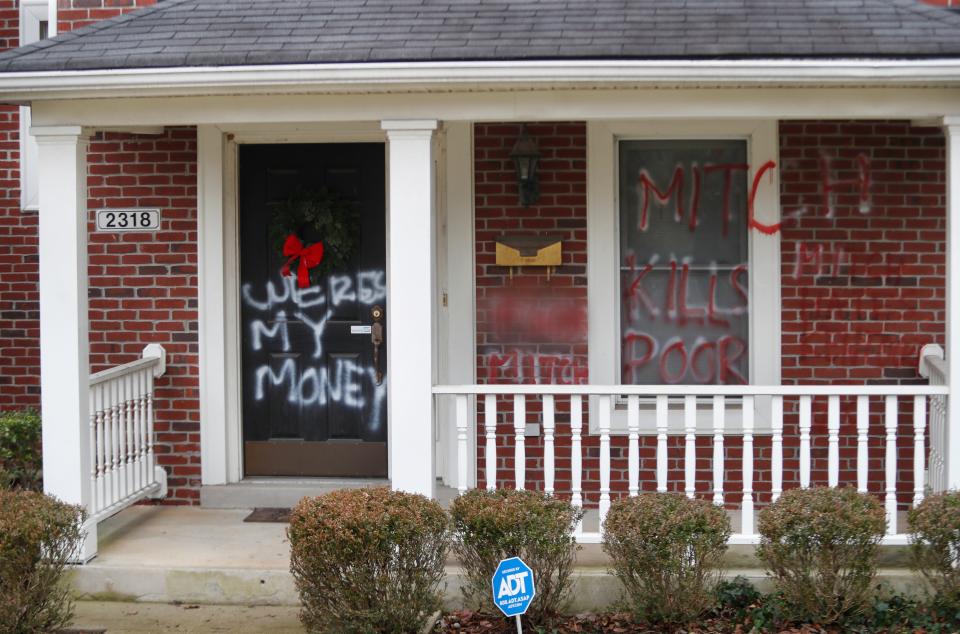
[{"x": 239, "y": 32}]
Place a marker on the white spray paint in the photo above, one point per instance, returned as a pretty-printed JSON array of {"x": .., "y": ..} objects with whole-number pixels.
[{"x": 344, "y": 381}]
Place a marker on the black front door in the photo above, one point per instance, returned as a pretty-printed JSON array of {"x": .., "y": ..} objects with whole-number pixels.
[{"x": 312, "y": 402}]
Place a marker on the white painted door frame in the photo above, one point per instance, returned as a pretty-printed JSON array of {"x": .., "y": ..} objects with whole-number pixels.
[
  {"x": 456, "y": 323},
  {"x": 221, "y": 430}
]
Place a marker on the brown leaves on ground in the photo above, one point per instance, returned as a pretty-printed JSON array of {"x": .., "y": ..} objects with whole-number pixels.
[{"x": 467, "y": 622}]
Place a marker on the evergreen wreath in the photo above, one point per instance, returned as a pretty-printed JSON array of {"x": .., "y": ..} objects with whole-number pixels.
[{"x": 320, "y": 228}]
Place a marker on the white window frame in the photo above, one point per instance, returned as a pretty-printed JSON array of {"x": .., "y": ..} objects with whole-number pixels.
[
  {"x": 32, "y": 13},
  {"x": 603, "y": 266}
]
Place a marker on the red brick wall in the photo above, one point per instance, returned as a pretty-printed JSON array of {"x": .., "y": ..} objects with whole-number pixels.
[
  {"x": 531, "y": 328},
  {"x": 863, "y": 288},
  {"x": 19, "y": 327},
  {"x": 863, "y": 251},
  {"x": 143, "y": 286},
  {"x": 863, "y": 264},
  {"x": 73, "y": 14}
]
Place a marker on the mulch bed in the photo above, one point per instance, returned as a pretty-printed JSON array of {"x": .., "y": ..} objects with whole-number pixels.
[{"x": 466, "y": 622}]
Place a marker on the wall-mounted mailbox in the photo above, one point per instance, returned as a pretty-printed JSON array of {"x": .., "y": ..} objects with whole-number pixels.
[{"x": 529, "y": 251}]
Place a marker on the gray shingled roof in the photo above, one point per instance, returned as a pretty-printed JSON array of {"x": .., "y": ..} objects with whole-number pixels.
[{"x": 177, "y": 33}]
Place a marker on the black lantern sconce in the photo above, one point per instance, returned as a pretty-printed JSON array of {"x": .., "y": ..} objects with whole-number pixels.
[{"x": 526, "y": 156}]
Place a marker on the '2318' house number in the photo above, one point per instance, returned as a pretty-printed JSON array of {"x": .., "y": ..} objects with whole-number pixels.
[{"x": 128, "y": 219}]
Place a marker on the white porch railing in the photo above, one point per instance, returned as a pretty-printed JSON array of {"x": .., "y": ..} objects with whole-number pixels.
[
  {"x": 123, "y": 465},
  {"x": 659, "y": 402},
  {"x": 934, "y": 368}
]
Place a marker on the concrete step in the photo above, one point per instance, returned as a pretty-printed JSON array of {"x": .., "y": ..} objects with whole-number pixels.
[
  {"x": 286, "y": 492},
  {"x": 276, "y": 492},
  {"x": 206, "y": 556}
]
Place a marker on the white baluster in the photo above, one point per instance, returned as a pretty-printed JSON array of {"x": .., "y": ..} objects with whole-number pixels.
[
  {"x": 92, "y": 398},
  {"x": 690, "y": 453},
  {"x": 101, "y": 449},
  {"x": 124, "y": 439},
  {"x": 863, "y": 447},
  {"x": 460, "y": 414},
  {"x": 937, "y": 441},
  {"x": 939, "y": 484},
  {"x": 833, "y": 440},
  {"x": 142, "y": 426},
  {"x": 919, "y": 425},
  {"x": 548, "y": 428},
  {"x": 805, "y": 422},
  {"x": 663, "y": 412},
  {"x": 633, "y": 449},
  {"x": 746, "y": 512},
  {"x": 135, "y": 458},
  {"x": 129, "y": 444},
  {"x": 490, "y": 426},
  {"x": 718, "y": 430},
  {"x": 606, "y": 407},
  {"x": 114, "y": 442},
  {"x": 151, "y": 459},
  {"x": 576, "y": 457},
  {"x": 520, "y": 450},
  {"x": 891, "y": 465},
  {"x": 776, "y": 418}
]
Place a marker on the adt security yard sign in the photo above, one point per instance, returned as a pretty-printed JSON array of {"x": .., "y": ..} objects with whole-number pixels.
[{"x": 513, "y": 588}]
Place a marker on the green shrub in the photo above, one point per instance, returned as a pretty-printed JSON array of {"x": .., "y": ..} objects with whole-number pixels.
[
  {"x": 490, "y": 526},
  {"x": 736, "y": 597},
  {"x": 38, "y": 536},
  {"x": 821, "y": 547},
  {"x": 20, "y": 459},
  {"x": 935, "y": 544},
  {"x": 665, "y": 549},
  {"x": 367, "y": 560}
]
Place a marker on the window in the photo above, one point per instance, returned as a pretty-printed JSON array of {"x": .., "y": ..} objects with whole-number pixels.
[
  {"x": 34, "y": 26},
  {"x": 690, "y": 290},
  {"x": 683, "y": 262}
]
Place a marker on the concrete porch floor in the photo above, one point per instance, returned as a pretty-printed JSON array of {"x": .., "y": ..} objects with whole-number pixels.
[{"x": 194, "y": 555}]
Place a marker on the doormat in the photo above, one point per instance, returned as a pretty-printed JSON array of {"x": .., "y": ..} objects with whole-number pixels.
[{"x": 267, "y": 514}]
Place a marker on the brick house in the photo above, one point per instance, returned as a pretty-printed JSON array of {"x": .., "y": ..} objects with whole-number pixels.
[{"x": 615, "y": 248}]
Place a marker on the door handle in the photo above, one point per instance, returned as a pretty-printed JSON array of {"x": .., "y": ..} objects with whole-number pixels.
[{"x": 376, "y": 338}]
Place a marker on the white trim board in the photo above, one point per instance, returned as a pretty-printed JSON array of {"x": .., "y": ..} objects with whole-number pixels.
[
  {"x": 603, "y": 271},
  {"x": 366, "y": 77},
  {"x": 221, "y": 432},
  {"x": 730, "y": 104},
  {"x": 32, "y": 13}
]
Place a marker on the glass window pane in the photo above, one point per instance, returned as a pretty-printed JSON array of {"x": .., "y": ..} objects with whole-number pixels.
[{"x": 683, "y": 262}]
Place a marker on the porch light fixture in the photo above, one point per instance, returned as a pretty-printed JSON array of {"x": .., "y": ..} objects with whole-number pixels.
[{"x": 526, "y": 155}]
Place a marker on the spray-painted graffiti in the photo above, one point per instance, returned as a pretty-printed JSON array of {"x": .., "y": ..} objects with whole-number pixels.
[
  {"x": 523, "y": 366},
  {"x": 685, "y": 300},
  {"x": 683, "y": 275},
  {"x": 279, "y": 307},
  {"x": 538, "y": 318},
  {"x": 318, "y": 385}
]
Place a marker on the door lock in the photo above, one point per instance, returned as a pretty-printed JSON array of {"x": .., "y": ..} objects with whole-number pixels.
[{"x": 376, "y": 338}]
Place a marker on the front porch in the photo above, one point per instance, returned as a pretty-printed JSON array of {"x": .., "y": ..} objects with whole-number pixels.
[{"x": 583, "y": 430}]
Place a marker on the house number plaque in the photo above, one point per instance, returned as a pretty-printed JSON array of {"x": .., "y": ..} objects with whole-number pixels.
[{"x": 128, "y": 219}]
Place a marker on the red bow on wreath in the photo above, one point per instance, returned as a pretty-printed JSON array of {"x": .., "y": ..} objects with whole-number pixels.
[{"x": 309, "y": 257}]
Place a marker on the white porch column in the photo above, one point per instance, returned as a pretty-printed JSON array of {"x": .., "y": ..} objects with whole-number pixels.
[
  {"x": 951, "y": 126},
  {"x": 64, "y": 341},
  {"x": 410, "y": 286}
]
